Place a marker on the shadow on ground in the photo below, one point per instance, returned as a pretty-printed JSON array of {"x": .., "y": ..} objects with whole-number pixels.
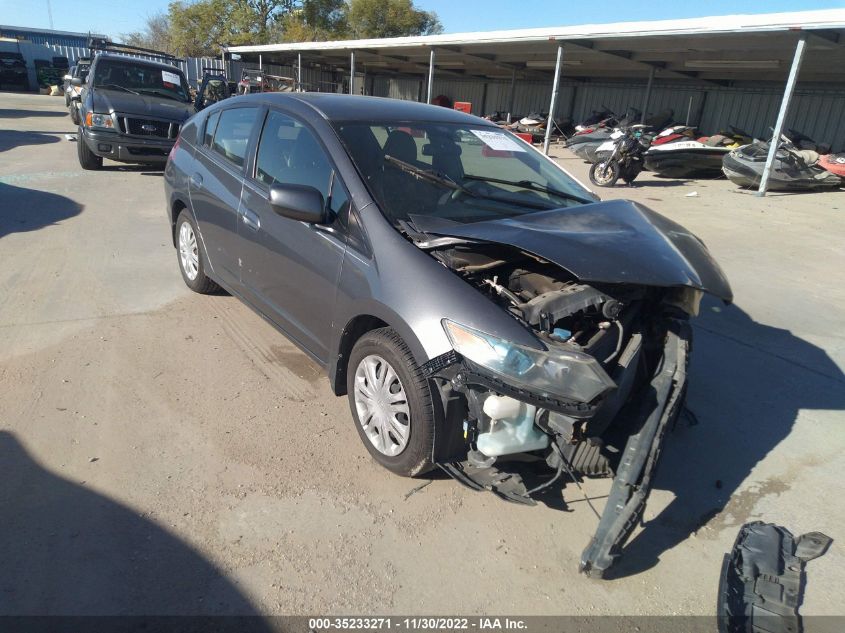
[
  {"x": 20, "y": 113},
  {"x": 71, "y": 551},
  {"x": 10, "y": 139},
  {"x": 25, "y": 209},
  {"x": 748, "y": 382}
]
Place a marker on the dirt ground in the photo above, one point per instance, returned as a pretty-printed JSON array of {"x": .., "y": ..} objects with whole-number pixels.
[{"x": 163, "y": 452}]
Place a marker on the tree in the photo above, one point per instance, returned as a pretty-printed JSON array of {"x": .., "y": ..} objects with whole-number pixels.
[
  {"x": 314, "y": 20},
  {"x": 200, "y": 28},
  {"x": 156, "y": 34},
  {"x": 389, "y": 18}
]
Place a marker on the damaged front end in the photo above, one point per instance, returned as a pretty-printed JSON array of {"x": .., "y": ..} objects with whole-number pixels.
[{"x": 594, "y": 398}]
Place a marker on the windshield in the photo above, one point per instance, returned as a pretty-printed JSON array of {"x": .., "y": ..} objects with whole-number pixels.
[
  {"x": 141, "y": 78},
  {"x": 457, "y": 172}
]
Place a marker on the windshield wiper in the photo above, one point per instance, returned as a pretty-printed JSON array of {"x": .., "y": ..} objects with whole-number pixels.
[
  {"x": 444, "y": 181},
  {"x": 162, "y": 93},
  {"x": 530, "y": 184},
  {"x": 124, "y": 88},
  {"x": 425, "y": 174}
]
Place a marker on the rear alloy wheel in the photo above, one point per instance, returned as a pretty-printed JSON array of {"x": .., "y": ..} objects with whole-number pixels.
[
  {"x": 604, "y": 174},
  {"x": 391, "y": 403},
  {"x": 190, "y": 256}
]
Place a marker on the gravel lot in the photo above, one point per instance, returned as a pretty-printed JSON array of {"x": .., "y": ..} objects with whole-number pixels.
[{"x": 163, "y": 452}]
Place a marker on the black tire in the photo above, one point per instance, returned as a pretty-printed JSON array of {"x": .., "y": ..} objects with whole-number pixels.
[
  {"x": 87, "y": 159},
  {"x": 201, "y": 283},
  {"x": 604, "y": 174},
  {"x": 415, "y": 459},
  {"x": 74, "y": 114}
]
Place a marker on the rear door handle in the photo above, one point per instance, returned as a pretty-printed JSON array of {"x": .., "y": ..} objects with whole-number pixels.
[
  {"x": 196, "y": 180},
  {"x": 251, "y": 219}
]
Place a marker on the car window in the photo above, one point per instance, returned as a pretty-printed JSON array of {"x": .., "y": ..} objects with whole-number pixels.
[
  {"x": 289, "y": 153},
  {"x": 232, "y": 134},
  {"x": 210, "y": 126}
]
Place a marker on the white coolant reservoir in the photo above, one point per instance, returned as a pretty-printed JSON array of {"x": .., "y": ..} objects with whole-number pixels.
[{"x": 512, "y": 428}]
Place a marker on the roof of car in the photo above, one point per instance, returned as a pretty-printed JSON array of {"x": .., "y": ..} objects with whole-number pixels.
[{"x": 340, "y": 107}]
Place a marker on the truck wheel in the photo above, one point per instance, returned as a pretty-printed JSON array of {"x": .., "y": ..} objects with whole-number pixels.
[
  {"x": 391, "y": 403},
  {"x": 87, "y": 158},
  {"x": 190, "y": 255},
  {"x": 74, "y": 114}
]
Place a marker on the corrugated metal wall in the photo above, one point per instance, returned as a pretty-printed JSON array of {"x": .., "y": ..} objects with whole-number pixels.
[{"x": 816, "y": 112}]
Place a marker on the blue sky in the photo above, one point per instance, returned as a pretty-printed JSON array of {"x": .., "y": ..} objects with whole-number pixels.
[{"x": 114, "y": 17}]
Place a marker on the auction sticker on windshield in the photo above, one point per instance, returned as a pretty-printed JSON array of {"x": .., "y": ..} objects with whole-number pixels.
[
  {"x": 170, "y": 78},
  {"x": 498, "y": 141}
]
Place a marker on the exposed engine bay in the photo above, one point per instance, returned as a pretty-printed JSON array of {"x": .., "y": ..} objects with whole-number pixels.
[{"x": 628, "y": 344}]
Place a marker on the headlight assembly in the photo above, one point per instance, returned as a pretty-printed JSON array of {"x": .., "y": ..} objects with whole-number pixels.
[
  {"x": 99, "y": 121},
  {"x": 557, "y": 372}
]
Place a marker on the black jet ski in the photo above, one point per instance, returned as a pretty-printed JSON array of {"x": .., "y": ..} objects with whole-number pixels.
[
  {"x": 793, "y": 169},
  {"x": 677, "y": 153}
]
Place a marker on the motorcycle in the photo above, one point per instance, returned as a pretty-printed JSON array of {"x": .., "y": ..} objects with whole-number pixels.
[
  {"x": 626, "y": 159},
  {"x": 793, "y": 169},
  {"x": 586, "y": 142}
]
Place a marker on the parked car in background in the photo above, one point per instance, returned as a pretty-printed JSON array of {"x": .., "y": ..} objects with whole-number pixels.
[
  {"x": 478, "y": 306},
  {"x": 13, "y": 71},
  {"x": 131, "y": 110},
  {"x": 73, "y": 93}
]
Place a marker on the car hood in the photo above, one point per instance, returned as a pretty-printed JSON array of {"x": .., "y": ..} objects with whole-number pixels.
[
  {"x": 617, "y": 241},
  {"x": 142, "y": 105}
]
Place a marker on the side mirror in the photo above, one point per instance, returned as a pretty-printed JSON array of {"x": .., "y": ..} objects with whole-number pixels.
[
  {"x": 298, "y": 202},
  {"x": 66, "y": 77},
  {"x": 76, "y": 81}
]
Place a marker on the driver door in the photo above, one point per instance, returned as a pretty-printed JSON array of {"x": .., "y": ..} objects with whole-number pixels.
[{"x": 289, "y": 268}]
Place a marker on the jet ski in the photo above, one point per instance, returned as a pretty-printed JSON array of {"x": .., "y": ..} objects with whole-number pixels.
[
  {"x": 834, "y": 163},
  {"x": 793, "y": 169},
  {"x": 677, "y": 153}
]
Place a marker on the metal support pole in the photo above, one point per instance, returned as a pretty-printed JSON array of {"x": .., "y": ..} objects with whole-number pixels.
[
  {"x": 430, "y": 75},
  {"x": 647, "y": 95},
  {"x": 352, "y": 72},
  {"x": 260, "y": 63},
  {"x": 550, "y": 123},
  {"x": 364, "y": 80},
  {"x": 784, "y": 109},
  {"x": 513, "y": 94},
  {"x": 299, "y": 72}
]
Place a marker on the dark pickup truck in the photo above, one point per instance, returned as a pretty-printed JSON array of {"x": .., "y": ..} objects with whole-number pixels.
[{"x": 131, "y": 110}]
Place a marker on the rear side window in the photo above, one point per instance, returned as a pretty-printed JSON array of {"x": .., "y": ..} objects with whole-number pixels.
[
  {"x": 210, "y": 126},
  {"x": 232, "y": 134}
]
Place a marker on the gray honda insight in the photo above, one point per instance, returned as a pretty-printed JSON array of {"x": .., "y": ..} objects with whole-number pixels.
[{"x": 483, "y": 311}]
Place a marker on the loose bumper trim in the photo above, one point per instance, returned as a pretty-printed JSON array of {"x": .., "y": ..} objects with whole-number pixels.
[{"x": 635, "y": 474}]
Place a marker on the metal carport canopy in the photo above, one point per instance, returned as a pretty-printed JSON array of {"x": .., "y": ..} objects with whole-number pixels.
[{"x": 700, "y": 50}]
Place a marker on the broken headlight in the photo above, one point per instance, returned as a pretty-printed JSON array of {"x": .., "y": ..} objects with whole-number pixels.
[
  {"x": 557, "y": 372},
  {"x": 687, "y": 299}
]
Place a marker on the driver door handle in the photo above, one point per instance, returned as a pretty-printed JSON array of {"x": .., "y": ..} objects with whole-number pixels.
[{"x": 251, "y": 219}]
